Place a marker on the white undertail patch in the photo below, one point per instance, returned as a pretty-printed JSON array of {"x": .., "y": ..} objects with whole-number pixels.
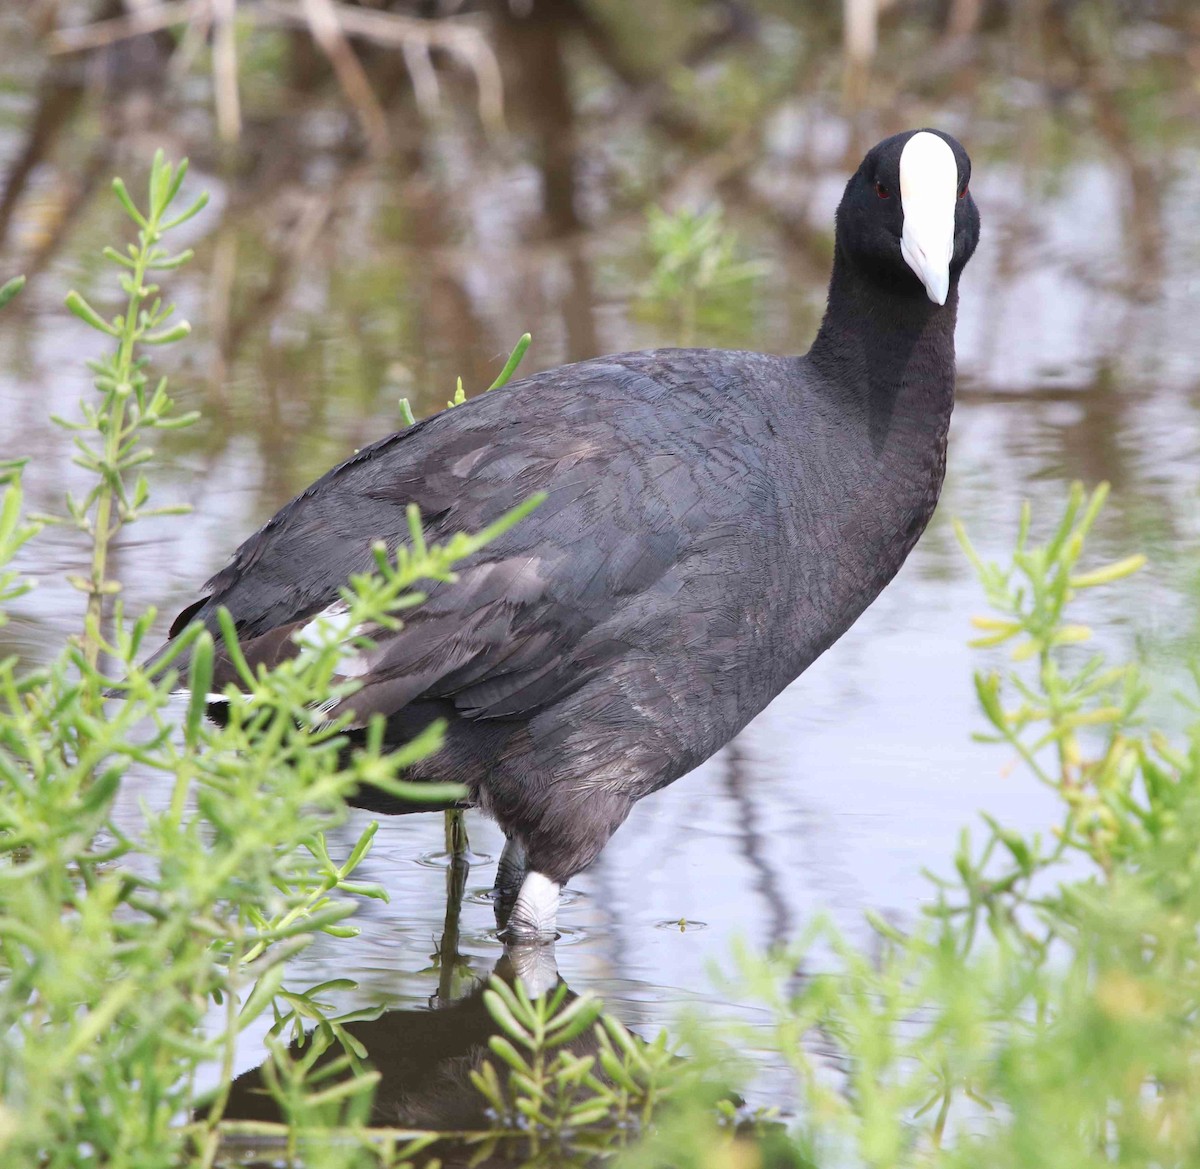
[
  {"x": 331, "y": 626},
  {"x": 210, "y": 698}
]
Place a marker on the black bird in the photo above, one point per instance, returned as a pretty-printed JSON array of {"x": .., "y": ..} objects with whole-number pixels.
[{"x": 714, "y": 520}]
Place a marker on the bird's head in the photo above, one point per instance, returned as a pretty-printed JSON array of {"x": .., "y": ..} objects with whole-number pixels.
[{"x": 907, "y": 219}]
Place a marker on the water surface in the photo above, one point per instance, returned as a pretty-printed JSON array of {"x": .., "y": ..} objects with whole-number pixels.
[{"x": 326, "y": 286}]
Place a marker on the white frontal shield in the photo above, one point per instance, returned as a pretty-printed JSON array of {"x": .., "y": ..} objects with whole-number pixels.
[{"x": 928, "y": 193}]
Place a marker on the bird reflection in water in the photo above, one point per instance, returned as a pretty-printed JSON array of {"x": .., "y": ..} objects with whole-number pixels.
[{"x": 424, "y": 1057}]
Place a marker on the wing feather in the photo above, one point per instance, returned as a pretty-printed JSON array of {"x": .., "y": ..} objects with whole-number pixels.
[{"x": 534, "y": 615}]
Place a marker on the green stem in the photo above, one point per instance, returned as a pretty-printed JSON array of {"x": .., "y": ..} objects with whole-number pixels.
[
  {"x": 114, "y": 433},
  {"x": 293, "y": 915},
  {"x": 510, "y": 366},
  {"x": 123, "y": 993},
  {"x": 229, "y": 1053},
  {"x": 939, "y": 1125}
]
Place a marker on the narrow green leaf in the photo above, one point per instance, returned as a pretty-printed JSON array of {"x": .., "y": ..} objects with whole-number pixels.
[
  {"x": 361, "y": 849},
  {"x": 260, "y": 997},
  {"x": 200, "y": 675},
  {"x": 471, "y": 544},
  {"x": 166, "y": 336},
  {"x": 10, "y": 289},
  {"x": 131, "y": 210},
  {"x": 589, "y": 1113},
  {"x": 616, "y": 1071},
  {"x": 88, "y": 315},
  {"x": 505, "y": 1050},
  {"x": 166, "y": 263},
  {"x": 573, "y": 1020},
  {"x": 102, "y": 790},
  {"x": 192, "y": 211},
  {"x": 118, "y": 258},
  {"x": 180, "y": 173},
  {"x": 230, "y": 638},
  {"x": 1109, "y": 573},
  {"x": 514, "y": 359},
  {"x": 160, "y": 178},
  {"x": 487, "y": 1084},
  {"x": 505, "y": 1018},
  {"x": 987, "y": 690}
]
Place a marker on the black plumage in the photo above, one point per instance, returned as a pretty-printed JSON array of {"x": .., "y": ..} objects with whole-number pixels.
[{"x": 713, "y": 522}]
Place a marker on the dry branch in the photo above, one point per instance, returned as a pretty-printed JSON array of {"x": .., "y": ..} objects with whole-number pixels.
[
  {"x": 454, "y": 36},
  {"x": 225, "y": 70},
  {"x": 326, "y": 30},
  {"x": 331, "y": 24},
  {"x": 119, "y": 28}
]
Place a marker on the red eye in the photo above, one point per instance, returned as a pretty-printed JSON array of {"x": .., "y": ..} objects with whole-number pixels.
[
  {"x": 882, "y": 191},
  {"x": 963, "y": 193}
]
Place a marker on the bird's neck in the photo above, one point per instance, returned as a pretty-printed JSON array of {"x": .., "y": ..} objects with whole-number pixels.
[{"x": 891, "y": 351}]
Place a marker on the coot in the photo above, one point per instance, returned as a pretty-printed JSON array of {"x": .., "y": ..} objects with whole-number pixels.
[{"x": 713, "y": 521}]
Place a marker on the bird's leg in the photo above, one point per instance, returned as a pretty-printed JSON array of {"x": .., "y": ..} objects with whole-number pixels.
[
  {"x": 530, "y": 949},
  {"x": 561, "y": 838},
  {"x": 528, "y": 921},
  {"x": 510, "y": 872}
]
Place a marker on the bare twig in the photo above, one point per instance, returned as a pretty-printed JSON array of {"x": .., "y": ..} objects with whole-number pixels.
[
  {"x": 860, "y": 30},
  {"x": 963, "y": 19},
  {"x": 330, "y": 24},
  {"x": 120, "y": 28},
  {"x": 302, "y": 238},
  {"x": 324, "y": 23},
  {"x": 452, "y": 35},
  {"x": 225, "y": 77},
  {"x": 424, "y": 76},
  {"x": 195, "y": 37}
]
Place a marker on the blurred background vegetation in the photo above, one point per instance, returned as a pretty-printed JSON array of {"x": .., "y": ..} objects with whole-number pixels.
[{"x": 400, "y": 190}]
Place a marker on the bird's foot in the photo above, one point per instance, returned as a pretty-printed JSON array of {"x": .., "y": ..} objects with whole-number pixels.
[
  {"x": 534, "y": 963},
  {"x": 534, "y": 916}
]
